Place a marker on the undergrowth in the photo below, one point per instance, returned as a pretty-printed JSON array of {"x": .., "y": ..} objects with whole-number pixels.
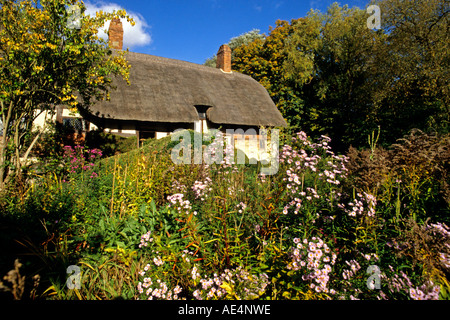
[{"x": 145, "y": 228}]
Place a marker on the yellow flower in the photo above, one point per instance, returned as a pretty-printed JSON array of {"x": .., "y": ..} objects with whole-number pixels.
[{"x": 38, "y": 68}]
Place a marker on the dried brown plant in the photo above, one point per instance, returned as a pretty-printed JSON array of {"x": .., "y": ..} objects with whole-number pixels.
[
  {"x": 427, "y": 244},
  {"x": 17, "y": 282},
  {"x": 425, "y": 155}
]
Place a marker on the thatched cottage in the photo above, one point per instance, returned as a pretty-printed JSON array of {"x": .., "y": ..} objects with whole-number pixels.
[{"x": 166, "y": 94}]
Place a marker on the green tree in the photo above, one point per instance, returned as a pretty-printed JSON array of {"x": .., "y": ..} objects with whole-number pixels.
[
  {"x": 331, "y": 62},
  {"x": 263, "y": 59},
  {"x": 45, "y": 61},
  {"x": 413, "y": 65},
  {"x": 328, "y": 73},
  {"x": 236, "y": 42}
]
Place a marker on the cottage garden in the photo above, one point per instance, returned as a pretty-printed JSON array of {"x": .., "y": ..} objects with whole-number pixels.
[
  {"x": 106, "y": 220},
  {"x": 140, "y": 227}
]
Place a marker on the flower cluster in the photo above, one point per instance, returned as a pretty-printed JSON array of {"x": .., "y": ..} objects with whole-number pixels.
[
  {"x": 440, "y": 228},
  {"x": 445, "y": 259},
  {"x": 176, "y": 200},
  {"x": 350, "y": 277},
  {"x": 354, "y": 268},
  {"x": 241, "y": 207},
  {"x": 363, "y": 204},
  {"x": 370, "y": 256},
  {"x": 237, "y": 282},
  {"x": 442, "y": 233},
  {"x": 185, "y": 255},
  {"x": 80, "y": 159},
  {"x": 145, "y": 239},
  {"x": 233, "y": 190},
  {"x": 177, "y": 186},
  {"x": 315, "y": 259},
  {"x": 201, "y": 188},
  {"x": 158, "y": 290},
  {"x": 336, "y": 172},
  {"x": 428, "y": 291},
  {"x": 158, "y": 261},
  {"x": 310, "y": 194},
  {"x": 309, "y": 160},
  {"x": 402, "y": 283},
  {"x": 221, "y": 153},
  {"x": 195, "y": 273}
]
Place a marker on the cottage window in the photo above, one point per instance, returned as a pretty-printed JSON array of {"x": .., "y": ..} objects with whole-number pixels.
[
  {"x": 75, "y": 124},
  {"x": 200, "y": 126},
  {"x": 202, "y": 115}
]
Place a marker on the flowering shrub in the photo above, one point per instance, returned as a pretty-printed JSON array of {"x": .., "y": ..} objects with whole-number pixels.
[
  {"x": 232, "y": 284},
  {"x": 79, "y": 159},
  {"x": 315, "y": 260},
  {"x": 201, "y": 188},
  {"x": 188, "y": 283},
  {"x": 176, "y": 201},
  {"x": 402, "y": 284},
  {"x": 158, "y": 290},
  {"x": 313, "y": 173}
]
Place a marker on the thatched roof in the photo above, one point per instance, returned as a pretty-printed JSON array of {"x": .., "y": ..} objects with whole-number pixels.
[{"x": 166, "y": 91}]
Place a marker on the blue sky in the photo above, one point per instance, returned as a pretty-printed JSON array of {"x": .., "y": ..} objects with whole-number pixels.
[{"x": 193, "y": 30}]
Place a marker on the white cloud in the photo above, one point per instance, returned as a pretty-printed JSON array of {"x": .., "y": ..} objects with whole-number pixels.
[
  {"x": 133, "y": 36},
  {"x": 278, "y": 4}
]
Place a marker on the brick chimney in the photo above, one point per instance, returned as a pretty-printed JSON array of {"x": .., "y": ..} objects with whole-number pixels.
[
  {"x": 116, "y": 34},
  {"x": 224, "y": 58}
]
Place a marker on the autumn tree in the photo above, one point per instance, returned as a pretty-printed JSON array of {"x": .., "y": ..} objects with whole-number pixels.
[{"x": 48, "y": 58}]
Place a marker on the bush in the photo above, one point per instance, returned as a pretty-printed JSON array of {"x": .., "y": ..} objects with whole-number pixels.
[
  {"x": 109, "y": 143},
  {"x": 410, "y": 179}
]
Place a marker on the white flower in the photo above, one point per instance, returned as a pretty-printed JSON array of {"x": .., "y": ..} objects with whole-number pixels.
[
  {"x": 196, "y": 294},
  {"x": 158, "y": 261}
]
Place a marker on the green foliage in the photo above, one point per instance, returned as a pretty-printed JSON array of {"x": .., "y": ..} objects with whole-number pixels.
[
  {"x": 145, "y": 228},
  {"x": 236, "y": 42},
  {"x": 330, "y": 74},
  {"x": 109, "y": 143}
]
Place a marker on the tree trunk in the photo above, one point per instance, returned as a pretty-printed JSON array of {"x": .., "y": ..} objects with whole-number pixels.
[
  {"x": 3, "y": 144},
  {"x": 27, "y": 153}
]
